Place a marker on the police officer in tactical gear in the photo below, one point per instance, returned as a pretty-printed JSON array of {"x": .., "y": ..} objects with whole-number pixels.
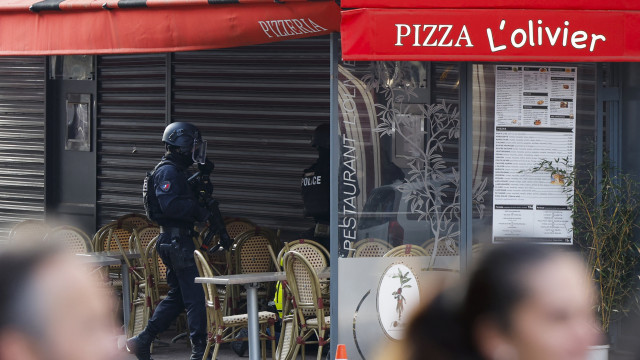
[
  {"x": 315, "y": 188},
  {"x": 170, "y": 200}
]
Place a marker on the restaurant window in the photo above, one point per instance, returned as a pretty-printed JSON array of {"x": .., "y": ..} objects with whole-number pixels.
[
  {"x": 398, "y": 192},
  {"x": 400, "y": 146}
]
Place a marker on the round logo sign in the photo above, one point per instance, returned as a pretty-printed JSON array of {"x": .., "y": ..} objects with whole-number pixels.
[{"x": 398, "y": 294}]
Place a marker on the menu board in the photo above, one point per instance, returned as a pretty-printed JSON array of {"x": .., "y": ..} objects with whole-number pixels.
[{"x": 534, "y": 120}]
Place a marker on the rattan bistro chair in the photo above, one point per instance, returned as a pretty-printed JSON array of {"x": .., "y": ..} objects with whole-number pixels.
[
  {"x": 252, "y": 254},
  {"x": 318, "y": 257},
  {"x": 308, "y": 304},
  {"x": 370, "y": 248},
  {"x": 28, "y": 230},
  {"x": 73, "y": 239},
  {"x": 406, "y": 251},
  {"x": 223, "y": 329},
  {"x": 236, "y": 226}
]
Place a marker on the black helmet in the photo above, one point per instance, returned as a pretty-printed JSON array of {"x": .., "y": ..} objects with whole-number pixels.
[
  {"x": 320, "y": 137},
  {"x": 186, "y": 137}
]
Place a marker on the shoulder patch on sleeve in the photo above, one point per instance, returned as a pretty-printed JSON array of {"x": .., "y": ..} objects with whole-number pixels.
[{"x": 165, "y": 186}]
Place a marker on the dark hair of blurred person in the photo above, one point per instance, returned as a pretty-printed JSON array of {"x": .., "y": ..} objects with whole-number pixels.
[
  {"x": 51, "y": 308},
  {"x": 522, "y": 302}
]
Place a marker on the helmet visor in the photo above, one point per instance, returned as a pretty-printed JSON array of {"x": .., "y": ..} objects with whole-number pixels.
[{"x": 199, "y": 151}]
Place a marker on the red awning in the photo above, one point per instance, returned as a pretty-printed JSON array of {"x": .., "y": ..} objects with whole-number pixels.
[
  {"x": 545, "y": 31},
  {"x": 496, "y": 4},
  {"x": 141, "y": 26}
]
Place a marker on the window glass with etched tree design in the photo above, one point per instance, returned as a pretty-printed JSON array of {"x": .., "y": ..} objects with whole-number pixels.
[{"x": 399, "y": 176}]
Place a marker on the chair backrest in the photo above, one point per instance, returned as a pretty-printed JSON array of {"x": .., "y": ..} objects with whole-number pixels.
[
  {"x": 214, "y": 308},
  {"x": 159, "y": 268},
  {"x": 117, "y": 239},
  {"x": 370, "y": 247},
  {"x": 73, "y": 239},
  {"x": 100, "y": 236},
  {"x": 133, "y": 221},
  {"x": 141, "y": 237},
  {"x": 314, "y": 252},
  {"x": 406, "y": 251},
  {"x": 29, "y": 230},
  {"x": 237, "y": 226},
  {"x": 446, "y": 247},
  {"x": 305, "y": 286},
  {"x": 252, "y": 253}
]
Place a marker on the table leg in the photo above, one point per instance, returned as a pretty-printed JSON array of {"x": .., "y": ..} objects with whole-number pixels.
[
  {"x": 126, "y": 296},
  {"x": 254, "y": 321}
]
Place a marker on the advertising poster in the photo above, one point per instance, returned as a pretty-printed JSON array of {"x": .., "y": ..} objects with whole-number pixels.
[{"x": 534, "y": 121}]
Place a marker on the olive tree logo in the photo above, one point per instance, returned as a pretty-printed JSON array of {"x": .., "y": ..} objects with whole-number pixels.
[{"x": 397, "y": 295}]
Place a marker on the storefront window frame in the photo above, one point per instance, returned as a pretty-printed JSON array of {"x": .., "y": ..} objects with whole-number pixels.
[{"x": 611, "y": 129}]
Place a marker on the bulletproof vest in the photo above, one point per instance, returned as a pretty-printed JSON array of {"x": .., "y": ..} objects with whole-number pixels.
[
  {"x": 315, "y": 191},
  {"x": 151, "y": 203}
]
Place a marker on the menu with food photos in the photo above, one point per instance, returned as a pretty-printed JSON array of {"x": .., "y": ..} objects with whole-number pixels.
[{"x": 535, "y": 109}]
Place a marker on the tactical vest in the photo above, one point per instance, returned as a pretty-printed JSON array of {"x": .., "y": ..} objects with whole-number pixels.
[{"x": 151, "y": 204}]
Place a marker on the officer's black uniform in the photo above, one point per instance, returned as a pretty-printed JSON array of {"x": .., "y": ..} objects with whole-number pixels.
[
  {"x": 315, "y": 189},
  {"x": 175, "y": 207},
  {"x": 175, "y": 247}
]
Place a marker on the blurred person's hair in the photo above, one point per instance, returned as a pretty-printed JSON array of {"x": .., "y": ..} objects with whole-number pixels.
[
  {"x": 444, "y": 329},
  {"x": 20, "y": 299}
]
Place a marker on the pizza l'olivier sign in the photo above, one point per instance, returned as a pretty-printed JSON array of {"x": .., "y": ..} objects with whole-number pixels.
[{"x": 490, "y": 35}]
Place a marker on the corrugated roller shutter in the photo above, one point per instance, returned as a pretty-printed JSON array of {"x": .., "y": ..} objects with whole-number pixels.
[
  {"x": 131, "y": 118},
  {"x": 258, "y": 106},
  {"x": 22, "y": 129}
]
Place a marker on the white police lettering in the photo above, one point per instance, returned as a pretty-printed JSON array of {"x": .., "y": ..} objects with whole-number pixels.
[
  {"x": 539, "y": 35},
  {"x": 311, "y": 180},
  {"x": 440, "y": 35},
  {"x": 289, "y": 27}
]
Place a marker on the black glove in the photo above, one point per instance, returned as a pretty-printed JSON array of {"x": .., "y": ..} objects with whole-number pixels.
[
  {"x": 225, "y": 240},
  {"x": 206, "y": 168}
]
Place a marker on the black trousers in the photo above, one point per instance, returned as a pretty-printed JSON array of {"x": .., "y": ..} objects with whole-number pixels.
[{"x": 177, "y": 254}]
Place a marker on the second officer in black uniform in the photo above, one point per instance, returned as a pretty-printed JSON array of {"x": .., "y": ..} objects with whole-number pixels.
[
  {"x": 171, "y": 201},
  {"x": 315, "y": 188}
]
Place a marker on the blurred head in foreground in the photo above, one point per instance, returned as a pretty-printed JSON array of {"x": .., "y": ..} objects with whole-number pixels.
[
  {"x": 522, "y": 302},
  {"x": 51, "y": 308}
]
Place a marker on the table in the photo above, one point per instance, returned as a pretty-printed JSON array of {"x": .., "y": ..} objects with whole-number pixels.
[
  {"x": 106, "y": 258},
  {"x": 251, "y": 283}
]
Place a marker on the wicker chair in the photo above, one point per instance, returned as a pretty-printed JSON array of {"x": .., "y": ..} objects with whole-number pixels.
[
  {"x": 370, "y": 248},
  {"x": 141, "y": 280},
  {"x": 406, "y": 251},
  {"x": 114, "y": 239},
  {"x": 100, "y": 236},
  {"x": 318, "y": 257},
  {"x": 158, "y": 287},
  {"x": 29, "y": 230},
  {"x": 73, "y": 239},
  {"x": 308, "y": 306},
  {"x": 133, "y": 221},
  {"x": 223, "y": 329},
  {"x": 236, "y": 226},
  {"x": 253, "y": 255}
]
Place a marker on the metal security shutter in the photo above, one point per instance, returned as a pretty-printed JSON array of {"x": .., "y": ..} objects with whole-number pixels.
[
  {"x": 22, "y": 129},
  {"x": 131, "y": 118},
  {"x": 258, "y": 107}
]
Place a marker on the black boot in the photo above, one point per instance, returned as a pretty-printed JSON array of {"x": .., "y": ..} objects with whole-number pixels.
[
  {"x": 140, "y": 345},
  {"x": 197, "y": 349}
]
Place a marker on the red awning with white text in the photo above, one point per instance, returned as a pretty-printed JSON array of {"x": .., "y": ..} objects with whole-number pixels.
[
  {"x": 63, "y": 27},
  {"x": 499, "y": 30}
]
